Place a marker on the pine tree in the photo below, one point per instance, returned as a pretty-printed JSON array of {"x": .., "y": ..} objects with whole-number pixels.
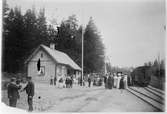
[
  {"x": 68, "y": 38},
  {"x": 93, "y": 49}
]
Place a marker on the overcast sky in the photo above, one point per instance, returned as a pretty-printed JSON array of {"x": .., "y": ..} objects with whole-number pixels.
[{"x": 132, "y": 30}]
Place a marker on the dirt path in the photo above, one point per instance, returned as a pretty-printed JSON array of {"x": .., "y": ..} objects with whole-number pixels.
[{"x": 82, "y": 99}]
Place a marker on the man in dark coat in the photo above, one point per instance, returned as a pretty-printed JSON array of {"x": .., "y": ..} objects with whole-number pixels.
[
  {"x": 100, "y": 82},
  {"x": 89, "y": 81},
  {"x": 67, "y": 82},
  {"x": 121, "y": 85},
  {"x": 55, "y": 79},
  {"x": 110, "y": 82},
  {"x": 30, "y": 92},
  {"x": 71, "y": 82},
  {"x": 13, "y": 93},
  {"x": 105, "y": 81},
  {"x": 18, "y": 81}
]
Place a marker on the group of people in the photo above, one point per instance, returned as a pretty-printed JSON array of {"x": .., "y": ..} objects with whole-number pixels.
[
  {"x": 14, "y": 88},
  {"x": 116, "y": 80},
  {"x": 69, "y": 82},
  {"x": 53, "y": 80},
  {"x": 62, "y": 82}
]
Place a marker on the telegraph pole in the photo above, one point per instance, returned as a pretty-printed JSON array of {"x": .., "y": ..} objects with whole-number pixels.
[
  {"x": 82, "y": 47},
  {"x": 82, "y": 55}
]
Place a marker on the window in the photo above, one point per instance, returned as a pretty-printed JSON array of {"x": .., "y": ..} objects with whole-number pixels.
[{"x": 41, "y": 72}]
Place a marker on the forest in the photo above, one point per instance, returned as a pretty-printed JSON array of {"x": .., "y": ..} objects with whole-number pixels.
[{"x": 23, "y": 32}]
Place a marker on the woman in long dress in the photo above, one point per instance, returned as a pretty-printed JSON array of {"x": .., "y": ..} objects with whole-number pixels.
[
  {"x": 115, "y": 81},
  {"x": 125, "y": 81},
  {"x": 61, "y": 83},
  {"x": 105, "y": 81},
  {"x": 110, "y": 82},
  {"x": 121, "y": 86},
  {"x": 118, "y": 81}
]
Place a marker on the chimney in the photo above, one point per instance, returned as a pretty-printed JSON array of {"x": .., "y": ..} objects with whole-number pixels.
[{"x": 52, "y": 46}]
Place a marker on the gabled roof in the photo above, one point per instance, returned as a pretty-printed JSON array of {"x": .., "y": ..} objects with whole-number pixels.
[{"x": 58, "y": 56}]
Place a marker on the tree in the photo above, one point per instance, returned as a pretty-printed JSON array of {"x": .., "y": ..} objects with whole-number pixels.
[
  {"x": 6, "y": 22},
  {"x": 12, "y": 40},
  {"x": 162, "y": 64},
  {"x": 21, "y": 35},
  {"x": 145, "y": 64},
  {"x": 42, "y": 29},
  {"x": 93, "y": 49},
  {"x": 156, "y": 64},
  {"x": 162, "y": 68},
  {"x": 148, "y": 64},
  {"x": 68, "y": 38}
]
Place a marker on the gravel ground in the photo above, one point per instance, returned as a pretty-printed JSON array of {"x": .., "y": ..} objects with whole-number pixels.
[{"x": 81, "y": 99}]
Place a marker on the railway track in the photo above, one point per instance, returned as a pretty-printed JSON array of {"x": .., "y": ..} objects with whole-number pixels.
[
  {"x": 150, "y": 96},
  {"x": 161, "y": 96},
  {"x": 156, "y": 90}
]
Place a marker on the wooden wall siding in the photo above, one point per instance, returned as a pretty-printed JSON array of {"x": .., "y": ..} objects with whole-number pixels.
[{"x": 46, "y": 61}]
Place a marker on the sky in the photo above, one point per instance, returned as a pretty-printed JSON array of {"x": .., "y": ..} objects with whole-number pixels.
[{"x": 132, "y": 30}]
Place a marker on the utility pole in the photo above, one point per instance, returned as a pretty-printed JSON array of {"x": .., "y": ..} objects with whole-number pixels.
[
  {"x": 82, "y": 56},
  {"x": 82, "y": 47}
]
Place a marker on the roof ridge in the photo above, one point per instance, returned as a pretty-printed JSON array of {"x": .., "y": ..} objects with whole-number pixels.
[
  {"x": 54, "y": 49},
  {"x": 67, "y": 58}
]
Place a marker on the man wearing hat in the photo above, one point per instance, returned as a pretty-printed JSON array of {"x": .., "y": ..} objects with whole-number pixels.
[
  {"x": 30, "y": 92},
  {"x": 13, "y": 93}
]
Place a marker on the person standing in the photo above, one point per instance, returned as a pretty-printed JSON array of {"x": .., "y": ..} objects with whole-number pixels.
[
  {"x": 118, "y": 80},
  {"x": 13, "y": 93},
  {"x": 115, "y": 80},
  {"x": 71, "y": 81},
  {"x": 121, "y": 87},
  {"x": 30, "y": 92},
  {"x": 18, "y": 81},
  {"x": 105, "y": 81},
  {"x": 55, "y": 79},
  {"x": 110, "y": 82},
  {"x": 83, "y": 82},
  {"x": 66, "y": 82},
  {"x": 125, "y": 81},
  {"x": 100, "y": 82},
  {"x": 60, "y": 81},
  {"x": 51, "y": 79},
  {"x": 89, "y": 81}
]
